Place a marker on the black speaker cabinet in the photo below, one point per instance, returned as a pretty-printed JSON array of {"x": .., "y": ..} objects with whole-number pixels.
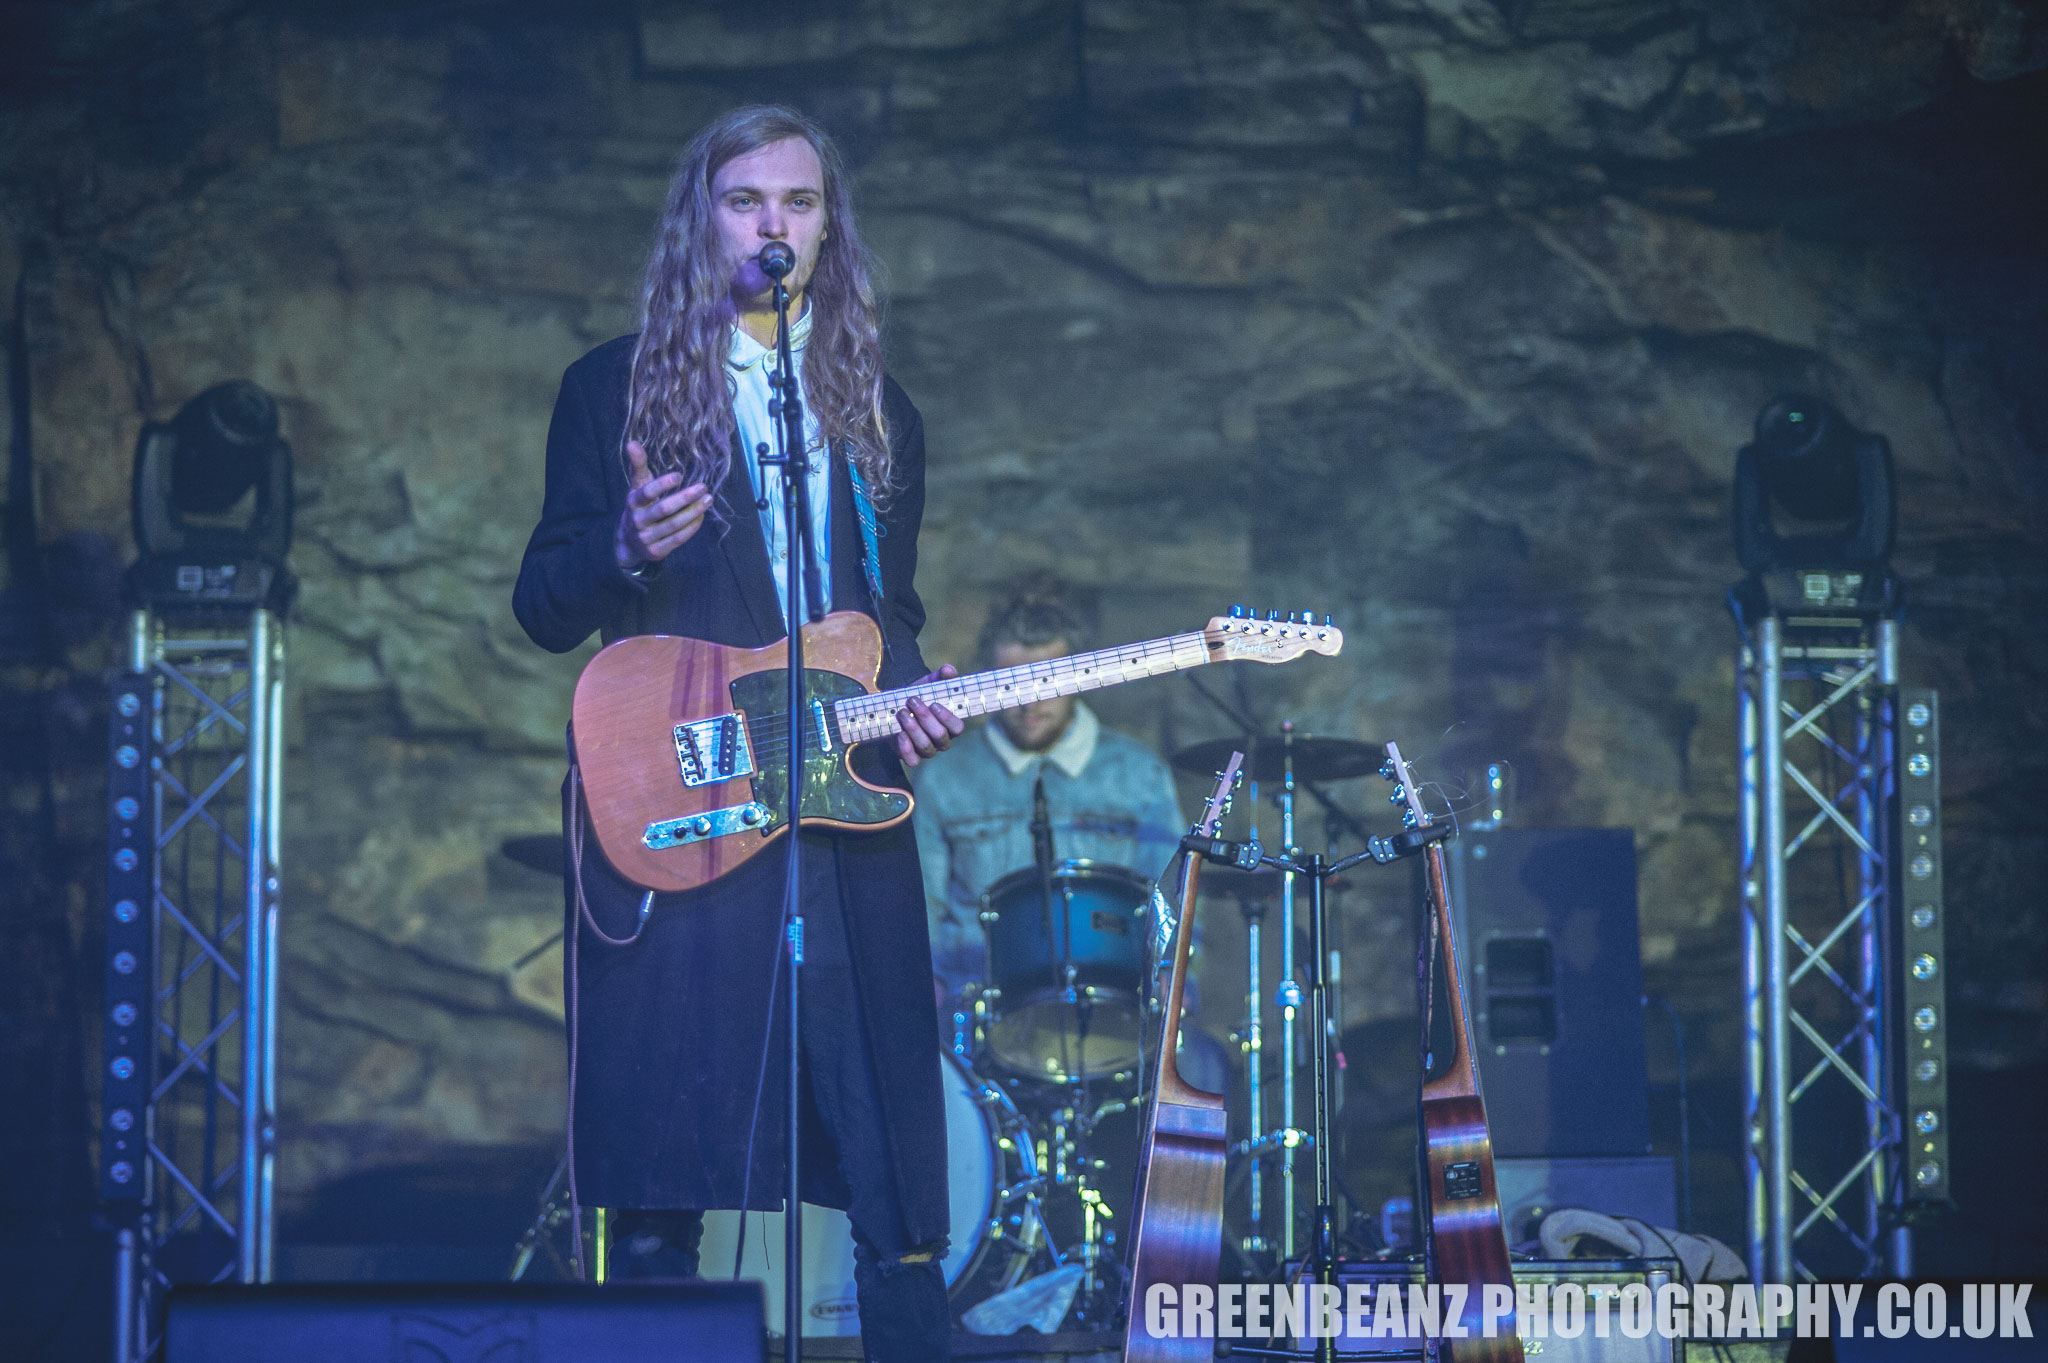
[
  {"x": 470, "y": 1323},
  {"x": 1546, "y": 922}
]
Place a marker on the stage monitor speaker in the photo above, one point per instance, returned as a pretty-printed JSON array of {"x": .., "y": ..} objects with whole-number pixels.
[
  {"x": 1547, "y": 938},
  {"x": 470, "y": 1323}
]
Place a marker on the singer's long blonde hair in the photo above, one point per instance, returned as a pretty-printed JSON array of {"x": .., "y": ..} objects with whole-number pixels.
[{"x": 680, "y": 408}]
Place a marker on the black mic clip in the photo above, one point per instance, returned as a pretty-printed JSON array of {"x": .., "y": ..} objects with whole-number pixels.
[
  {"x": 1406, "y": 844},
  {"x": 1244, "y": 856}
]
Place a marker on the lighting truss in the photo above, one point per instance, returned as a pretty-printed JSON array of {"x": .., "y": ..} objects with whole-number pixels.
[
  {"x": 1841, "y": 934},
  {"x": 188, "y": 1137}
]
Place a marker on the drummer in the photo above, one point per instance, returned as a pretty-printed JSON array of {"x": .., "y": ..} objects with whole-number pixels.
[{"x": 1111, "y": 799}]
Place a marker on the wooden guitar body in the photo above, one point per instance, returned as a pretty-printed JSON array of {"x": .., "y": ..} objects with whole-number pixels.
[
  {"x": 1177, "y": 1214},
  {"x": 632, "y": 697}
]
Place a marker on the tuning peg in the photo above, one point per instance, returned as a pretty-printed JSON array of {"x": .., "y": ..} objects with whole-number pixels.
[
  {"x": 1273, "y": 616},
  {"x": 1237, "y": 613},
  {"x": 1329, "y": 621},
  {"x": 1407, "y": 818},
  {"x": 1387, "y": 770},
  {"x": 1398, "y": 796},
  {"x": 1308, "y": 617}
]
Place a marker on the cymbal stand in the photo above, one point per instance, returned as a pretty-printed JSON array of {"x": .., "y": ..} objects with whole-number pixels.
[
  {"x": 554, "y": 1213},
  {"x": 1254, "y": 1043},
  {"x": 1289, "y": 995}
]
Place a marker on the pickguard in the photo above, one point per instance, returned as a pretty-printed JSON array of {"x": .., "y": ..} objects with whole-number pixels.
[{"x": 829, "y": 790}]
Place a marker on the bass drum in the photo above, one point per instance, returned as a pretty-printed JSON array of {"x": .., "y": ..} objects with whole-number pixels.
[{"x": 985, "y": 1141}]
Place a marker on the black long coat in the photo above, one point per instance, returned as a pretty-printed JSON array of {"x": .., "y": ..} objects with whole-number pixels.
[{"x": 668, "y": 1032}]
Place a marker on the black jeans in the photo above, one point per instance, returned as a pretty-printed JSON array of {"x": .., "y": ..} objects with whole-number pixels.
[{"x": 900, "y": 1287}]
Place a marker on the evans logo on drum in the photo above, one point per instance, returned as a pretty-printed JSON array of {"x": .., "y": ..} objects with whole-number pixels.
[{"x": 839, "y": 1308}]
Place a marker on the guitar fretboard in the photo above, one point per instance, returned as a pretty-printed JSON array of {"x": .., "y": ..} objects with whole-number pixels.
[{"x": 862, "y": 718}]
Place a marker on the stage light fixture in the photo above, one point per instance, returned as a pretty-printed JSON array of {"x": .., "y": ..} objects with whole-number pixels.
[
  {"x": 1812, "y": 492},
  {"x": 212, "y": 500}
]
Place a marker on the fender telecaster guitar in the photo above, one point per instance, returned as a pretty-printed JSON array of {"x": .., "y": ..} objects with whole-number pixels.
[{"x": 684, "y": 748}]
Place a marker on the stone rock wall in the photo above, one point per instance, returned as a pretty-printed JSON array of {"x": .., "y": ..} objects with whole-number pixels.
[{"x": 1442, "y": 316}]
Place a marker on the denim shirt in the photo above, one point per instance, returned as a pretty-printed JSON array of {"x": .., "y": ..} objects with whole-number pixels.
[{"x": 1111, "y": 799}]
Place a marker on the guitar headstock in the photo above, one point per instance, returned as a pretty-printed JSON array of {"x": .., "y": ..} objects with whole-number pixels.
[
  {"x": 1396, "y": 769},
  {"x": 1243, "y": 636},
  {"x": 1219, "y": 803}
]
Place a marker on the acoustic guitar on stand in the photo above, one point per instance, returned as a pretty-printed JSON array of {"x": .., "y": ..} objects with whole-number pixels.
[
  {"x": 1465, "y": 1243},
  {"x": 684, "y": 748},
  {"x": 1177, "y": 1216}
]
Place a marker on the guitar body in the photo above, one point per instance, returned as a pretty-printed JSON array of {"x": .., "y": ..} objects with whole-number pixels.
[
  {"x": 1177, "y": 1213},
  {"x": 1178, "y": 1216},
  {"x": 635, "y": 694}
]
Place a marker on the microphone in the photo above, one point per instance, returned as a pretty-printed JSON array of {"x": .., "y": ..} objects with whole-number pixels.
[
  {"x": 1041, "y": 827},
  {"x": 776, "y": 259}
]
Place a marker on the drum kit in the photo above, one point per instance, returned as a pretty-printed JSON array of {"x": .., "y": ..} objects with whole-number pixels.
[{"x": 1042, "y": 1074}]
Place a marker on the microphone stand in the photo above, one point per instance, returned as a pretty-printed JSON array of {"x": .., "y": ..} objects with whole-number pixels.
[{"x": 801, "y": 603}]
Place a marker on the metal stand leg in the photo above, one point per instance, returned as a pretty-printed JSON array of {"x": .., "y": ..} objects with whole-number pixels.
[
  {"x": 1254, "y": 916},
  {"x": 1290, "y": 995},
  {"x": 1324, "y": 1252}
]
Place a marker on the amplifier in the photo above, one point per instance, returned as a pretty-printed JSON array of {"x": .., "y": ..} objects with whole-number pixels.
[{"x": 1596, "y": 1277}]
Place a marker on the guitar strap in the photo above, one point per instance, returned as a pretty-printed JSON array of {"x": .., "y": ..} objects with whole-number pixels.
[{"x": 871, "y": 532}]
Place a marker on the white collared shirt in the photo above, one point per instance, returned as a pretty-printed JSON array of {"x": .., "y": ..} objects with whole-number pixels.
[
  {"x": 748, "y": 367},
  {"x": 1070, "y": 754}
]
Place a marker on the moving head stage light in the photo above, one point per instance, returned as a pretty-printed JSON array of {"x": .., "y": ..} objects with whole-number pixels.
[
  {"x": 213, "y": 504},
  {"x": 1827, "y": 484}
]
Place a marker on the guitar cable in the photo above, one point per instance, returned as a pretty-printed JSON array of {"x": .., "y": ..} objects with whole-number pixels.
[{"x": 584, "y": 919}]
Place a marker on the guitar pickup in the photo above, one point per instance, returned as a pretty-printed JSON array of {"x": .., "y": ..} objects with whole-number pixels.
[
  {"x": 752, "y": 817},
  {"x": 712, "y": 750},
  {"x": 1461, "y": 1181}
]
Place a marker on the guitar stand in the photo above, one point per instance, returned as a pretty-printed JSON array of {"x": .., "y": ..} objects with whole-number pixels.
[{"x": 1320, "y": 1262}]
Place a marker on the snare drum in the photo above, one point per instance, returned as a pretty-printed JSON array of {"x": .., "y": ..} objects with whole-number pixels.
[
  {"x": 987, "y": 1148},
  {"x": 1065, "y": 987}
]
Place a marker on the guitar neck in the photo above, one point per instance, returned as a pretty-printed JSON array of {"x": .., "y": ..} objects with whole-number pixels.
[
  {"x": 1458, "y": 1081},
  {"x": 1167, "y": 1085},
  {"x": 862, "y": 718}
]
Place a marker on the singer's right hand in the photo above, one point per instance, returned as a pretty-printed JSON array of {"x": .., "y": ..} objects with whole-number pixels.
[{"x": 660, "y": 515}]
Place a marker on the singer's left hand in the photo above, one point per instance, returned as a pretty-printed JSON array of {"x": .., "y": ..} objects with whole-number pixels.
[{"x": 927, "y": 730}]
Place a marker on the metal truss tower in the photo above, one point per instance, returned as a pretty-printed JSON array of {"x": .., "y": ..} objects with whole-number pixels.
[
  {"x": 1842, "y": 931},
  {"x": 190, "y": 1066}
]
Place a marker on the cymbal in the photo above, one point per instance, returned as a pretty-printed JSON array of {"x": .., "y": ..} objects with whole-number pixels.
[
  {"x": 1315, "y": 759},
  {"x": 540, "y": 851}
]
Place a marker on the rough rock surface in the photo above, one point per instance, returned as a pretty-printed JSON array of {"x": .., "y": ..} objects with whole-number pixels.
[{"x": 1445, "y": 317}]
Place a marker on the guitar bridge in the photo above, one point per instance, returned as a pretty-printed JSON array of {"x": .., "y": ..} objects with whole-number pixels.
[{"x": 712, "y": 750}]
